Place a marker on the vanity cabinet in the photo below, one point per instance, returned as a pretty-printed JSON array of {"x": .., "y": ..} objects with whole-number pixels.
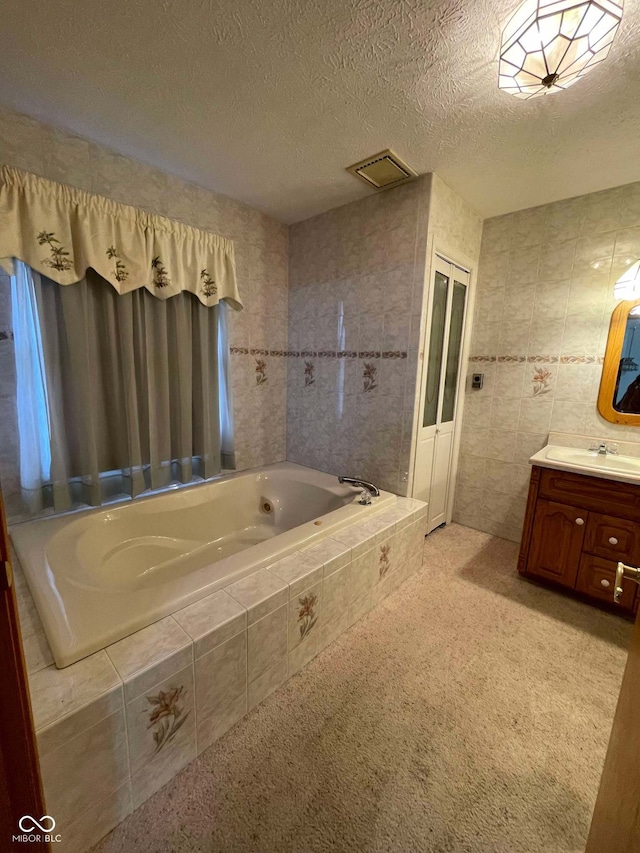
[{"x": 576, "y": 529}]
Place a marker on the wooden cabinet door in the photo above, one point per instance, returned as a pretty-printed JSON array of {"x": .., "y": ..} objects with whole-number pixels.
[{"x": 556, "y": 542}]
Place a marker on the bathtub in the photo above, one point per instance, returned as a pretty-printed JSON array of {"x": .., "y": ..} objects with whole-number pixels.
[{"x": 97, "y": 576}]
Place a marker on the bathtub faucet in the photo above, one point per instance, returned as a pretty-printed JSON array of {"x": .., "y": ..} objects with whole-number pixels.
[{"x": 368, "y": 489}]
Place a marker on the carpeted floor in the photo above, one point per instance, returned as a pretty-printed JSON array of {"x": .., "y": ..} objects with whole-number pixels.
[{"x": 469, "y": 712}]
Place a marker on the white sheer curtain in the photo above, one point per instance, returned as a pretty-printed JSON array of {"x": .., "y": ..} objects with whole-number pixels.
[
  {"x": 117, "y": 394},
  {"x": 31, "y": 398}
]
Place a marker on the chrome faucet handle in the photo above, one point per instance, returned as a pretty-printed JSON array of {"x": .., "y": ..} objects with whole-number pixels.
[
  {"x": 599, "y": 447},
  {"x": 612, "y": 448},
  {"x": 365, "y": 497}
]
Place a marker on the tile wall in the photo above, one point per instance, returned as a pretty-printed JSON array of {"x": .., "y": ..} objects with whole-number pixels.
[
  {"x": 454, "y": 226},
  {"x": 544, "y": 302},
  {"x": 258, "y": 334},
  {"x": 356, "y": 278},
  {"x": 357, "y": 282}
]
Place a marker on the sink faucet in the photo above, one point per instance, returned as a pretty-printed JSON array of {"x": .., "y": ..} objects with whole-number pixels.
[
  {"x": 603, "y": 449},
  {"x": 368, "y": 489}
]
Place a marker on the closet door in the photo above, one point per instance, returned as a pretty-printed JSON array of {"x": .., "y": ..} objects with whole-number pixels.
[
  {"x": 443, "y": 449},
  {"x": 432, "y": 374},
  {"x": 441, "y": 378}
]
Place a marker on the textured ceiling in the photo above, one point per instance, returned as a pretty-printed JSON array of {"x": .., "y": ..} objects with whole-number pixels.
[{"x": 268, "y": 100}]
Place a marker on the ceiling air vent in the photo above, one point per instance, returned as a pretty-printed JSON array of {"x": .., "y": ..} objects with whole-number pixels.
[{"x": 383, "y": 170}]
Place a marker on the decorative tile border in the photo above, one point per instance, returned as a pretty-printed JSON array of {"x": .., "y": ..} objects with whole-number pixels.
[
  {"x": 537, "y": 359},
  {"x": 325, "y": 353},
  {"x": 581, "y": 359}
]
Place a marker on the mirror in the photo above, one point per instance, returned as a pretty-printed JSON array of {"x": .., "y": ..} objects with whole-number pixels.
[{"x": 619, "y": 395}]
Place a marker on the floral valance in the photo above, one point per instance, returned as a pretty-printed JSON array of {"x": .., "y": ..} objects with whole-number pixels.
[{"x": 61, "y": 231}]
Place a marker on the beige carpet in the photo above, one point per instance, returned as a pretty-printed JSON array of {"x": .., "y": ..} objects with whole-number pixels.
[{"x": 469, "y": 712}]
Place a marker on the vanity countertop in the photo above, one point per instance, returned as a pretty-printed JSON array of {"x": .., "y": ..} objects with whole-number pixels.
[{"x": 609, "y": 466}]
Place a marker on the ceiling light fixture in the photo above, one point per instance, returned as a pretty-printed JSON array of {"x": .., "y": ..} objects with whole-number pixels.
[
  {"x": 628, "y": 285},
  {"x": 549, "y": 44}
]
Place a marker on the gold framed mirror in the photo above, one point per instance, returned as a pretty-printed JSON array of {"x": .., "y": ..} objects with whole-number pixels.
[{"x": 619, "y": 394}]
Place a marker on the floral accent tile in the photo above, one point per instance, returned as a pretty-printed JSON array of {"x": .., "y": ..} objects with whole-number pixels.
[
  {"x": 261, "y": 371},
  {"x": 209, "y": 286},
  {"x": 541, "y": 381},
  {"x": 369, "y": 376},
  {"x": 307, "y": 616},
  {"x": 60, "y": 259},
  {"x": 309, "y": 369},
  {"x": 160, "y": 274},
  {"x": 120, "y": 272},
  {"x": 166, "y": 715},
  {"x": 384, "y": 563}
]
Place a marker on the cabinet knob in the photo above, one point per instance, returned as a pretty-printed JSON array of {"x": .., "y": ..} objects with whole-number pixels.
[
  {"x": 579, "y": 521},
  {"x": 613, "y": 540},
  {"x": 605, "y": 583}
]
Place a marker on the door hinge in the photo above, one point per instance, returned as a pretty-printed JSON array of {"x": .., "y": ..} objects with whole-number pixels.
[{"x": 6, "y": 574}]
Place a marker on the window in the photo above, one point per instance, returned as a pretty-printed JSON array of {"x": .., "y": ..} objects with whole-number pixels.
[{"x": 116, "y": 393}]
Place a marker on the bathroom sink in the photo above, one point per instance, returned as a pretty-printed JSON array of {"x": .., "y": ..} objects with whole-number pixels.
[{"x": 610, "y": 466}]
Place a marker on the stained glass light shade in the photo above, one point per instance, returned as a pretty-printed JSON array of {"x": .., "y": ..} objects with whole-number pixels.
[
  {"x": 549, "y": 44},
  {"x": 628, "y": 285}
]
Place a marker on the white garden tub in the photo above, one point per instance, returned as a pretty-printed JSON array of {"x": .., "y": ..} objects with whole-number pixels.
[{"x": 99, "y": 575}]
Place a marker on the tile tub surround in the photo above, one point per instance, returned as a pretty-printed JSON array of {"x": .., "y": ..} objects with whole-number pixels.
[
  {"x": 261, "y": 248},
  {"x": 356, "y": 303},
  {"x": 116, "y": 726},
  {"x": 356, "y": 282},
  {"x": 543, "y": 306}
]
